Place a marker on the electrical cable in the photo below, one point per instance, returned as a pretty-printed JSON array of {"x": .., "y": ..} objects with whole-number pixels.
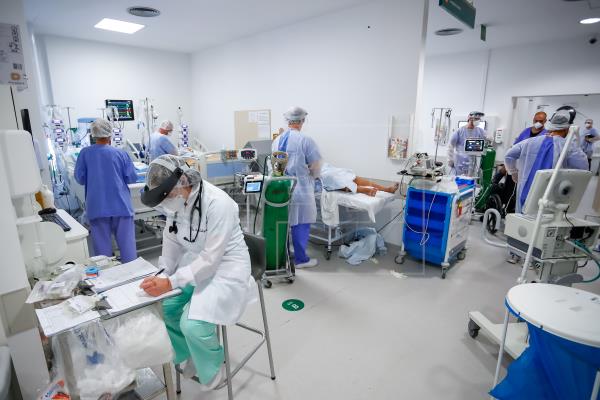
[
  {"x": 390, "y": 221},
  {"x": 261, "y": 192},
  {"x": 581, "y": 247}
]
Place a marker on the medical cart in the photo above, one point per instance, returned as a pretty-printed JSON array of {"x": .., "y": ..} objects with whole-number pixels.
[{"x": 436, "y": 224}]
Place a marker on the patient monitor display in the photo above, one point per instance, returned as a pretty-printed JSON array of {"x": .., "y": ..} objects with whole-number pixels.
[
  {"x": 568, "y": 188},
  {"x": 474, "y": 145},
  {"x": 124, "y": 108}
]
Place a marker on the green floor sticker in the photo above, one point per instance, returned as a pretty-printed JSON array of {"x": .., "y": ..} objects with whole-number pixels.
[{"x": 293, "y": 305}]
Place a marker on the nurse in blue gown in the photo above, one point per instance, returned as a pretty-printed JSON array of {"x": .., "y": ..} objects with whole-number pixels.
[
  {"x": 525, "y": 158},
  {"x": 304, "y": 162},
  {"x": 105, "y": 172},
  {"x": 537, "y": 129}
]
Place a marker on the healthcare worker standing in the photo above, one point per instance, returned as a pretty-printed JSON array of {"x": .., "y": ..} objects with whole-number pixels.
[
  {"x": 589, "y": 135},
  {"x": 105, "y": 172},
  {"x": 304, "y": 162},
  {"x": 537, "y": 129},
  {"x": 525, "y": 158},
  {"x": 457, "y": 157},
  {"x": 160, "y": 143},
  {"x": 205, "y": 255}
]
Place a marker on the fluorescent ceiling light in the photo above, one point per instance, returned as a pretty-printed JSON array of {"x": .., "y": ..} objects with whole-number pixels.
[
  {"x": 589, "y": 21},
  {"x": 118, "y": 26}
]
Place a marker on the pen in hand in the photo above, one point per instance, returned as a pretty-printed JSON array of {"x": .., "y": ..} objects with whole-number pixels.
[{"x": 159, "y": 272}]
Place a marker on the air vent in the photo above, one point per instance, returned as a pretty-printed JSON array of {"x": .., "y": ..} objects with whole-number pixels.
[
  {"x": 141, "y": 11},
  {"x": 448, "y": 31}
]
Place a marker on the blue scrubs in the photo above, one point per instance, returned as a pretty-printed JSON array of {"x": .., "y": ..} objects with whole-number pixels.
[
  {"x": 540, "y": 152},
  {"x": 526, "y": 134},
  {"x": 105, "y": 172},
  {"x": 161, "y": 145},
  {"x": 302, "y": 153}
]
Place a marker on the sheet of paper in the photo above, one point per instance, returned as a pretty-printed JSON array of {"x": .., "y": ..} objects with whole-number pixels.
[
  {"x": 12, "y": 60},
  {"x": 120, "y": 274},
  {"x": 130, "y": 296},
  {"x": 264, "y": 131},
  {"x": 59, "y": 318}
]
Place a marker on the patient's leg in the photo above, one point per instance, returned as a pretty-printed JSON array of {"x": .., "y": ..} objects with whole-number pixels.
[{"x": 360, "y": 181}]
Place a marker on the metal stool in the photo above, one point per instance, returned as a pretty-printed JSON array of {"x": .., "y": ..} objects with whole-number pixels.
[{"x": 256, "y": 248}]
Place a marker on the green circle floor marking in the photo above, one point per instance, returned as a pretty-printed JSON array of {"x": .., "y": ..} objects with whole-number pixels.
[{"x": 293, "y": 305}]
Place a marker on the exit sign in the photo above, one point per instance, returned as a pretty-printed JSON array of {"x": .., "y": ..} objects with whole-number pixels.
[{"x": 461, "y": 9}]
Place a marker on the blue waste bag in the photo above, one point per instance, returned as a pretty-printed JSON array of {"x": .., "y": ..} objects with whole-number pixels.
[{"x": 551, "y": 368}]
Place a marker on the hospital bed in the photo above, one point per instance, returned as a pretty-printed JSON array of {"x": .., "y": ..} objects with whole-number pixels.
[{"x": 337, "y": 210}]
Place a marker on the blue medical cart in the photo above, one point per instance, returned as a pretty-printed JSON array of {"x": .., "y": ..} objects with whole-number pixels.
[{"x": 436, "y": 225}]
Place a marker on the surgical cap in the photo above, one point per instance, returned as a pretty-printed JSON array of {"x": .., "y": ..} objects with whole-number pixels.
[
  {"x": 162, "y": 168},
  {"x": 557, "y": 123},
  {"x": 101, "y": 128},
  {"x": 295, "y": 114},
  {"x": 166, "y": 125}
]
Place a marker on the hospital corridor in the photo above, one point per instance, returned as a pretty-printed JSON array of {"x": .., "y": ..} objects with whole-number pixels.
[{"x": 274, "y": 200}]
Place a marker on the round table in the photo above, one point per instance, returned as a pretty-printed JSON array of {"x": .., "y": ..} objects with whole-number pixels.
[{"x": 569, "y": 313}]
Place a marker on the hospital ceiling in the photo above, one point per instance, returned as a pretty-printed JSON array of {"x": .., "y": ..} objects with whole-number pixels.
[
  {"x": 513, "y": 22},
  {"x": 192, "y": 25},
  {"x": 184, "y": 25}
]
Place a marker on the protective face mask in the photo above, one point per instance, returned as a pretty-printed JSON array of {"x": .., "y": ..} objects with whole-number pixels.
[
  {"x": 173, "y": 204},
  {"x": 538, "y": 125},
  {"x": 588, "y": 126}
]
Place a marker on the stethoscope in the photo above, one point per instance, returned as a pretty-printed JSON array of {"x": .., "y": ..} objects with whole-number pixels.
[{"x": 196, "y": 207}]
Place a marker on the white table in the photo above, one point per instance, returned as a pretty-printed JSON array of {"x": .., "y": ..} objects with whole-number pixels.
[{"x": 569, "y": 313}]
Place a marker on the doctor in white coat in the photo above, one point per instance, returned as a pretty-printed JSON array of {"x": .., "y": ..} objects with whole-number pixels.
[{"x": 205, "y": 255}]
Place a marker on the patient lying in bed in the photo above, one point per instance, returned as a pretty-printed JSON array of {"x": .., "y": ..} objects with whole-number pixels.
[{"x": 334, "y": 178}]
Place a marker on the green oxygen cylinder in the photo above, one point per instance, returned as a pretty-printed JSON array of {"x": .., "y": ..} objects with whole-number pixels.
[
  {"x": 488, "y": 161},
  {"x": 275, "y": 222}
]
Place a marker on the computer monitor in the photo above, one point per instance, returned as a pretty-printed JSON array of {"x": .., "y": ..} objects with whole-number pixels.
[
  {"x": 124, "y": 107},
  {"x": 474, "y": 146},
  {"x": 480, "y": 124},
  {"x": 569, "y": 188}
]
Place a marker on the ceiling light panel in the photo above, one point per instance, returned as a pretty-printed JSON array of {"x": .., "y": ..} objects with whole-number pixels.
[{"x": 118, "y": 26}]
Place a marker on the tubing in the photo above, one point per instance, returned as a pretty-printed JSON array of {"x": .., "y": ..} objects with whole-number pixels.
[{"x": 484, "y": 228}]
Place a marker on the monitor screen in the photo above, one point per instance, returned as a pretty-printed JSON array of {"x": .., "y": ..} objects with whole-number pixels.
[
  {"x": 253, "y": 187},
  {"x": 474, "y": 145},
  {"x": 124, "y": 107}
]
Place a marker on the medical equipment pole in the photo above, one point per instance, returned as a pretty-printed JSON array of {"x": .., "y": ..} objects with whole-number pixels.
[
  {"x": 543, "y": 202},
  {"x": 501, "y": 352}
]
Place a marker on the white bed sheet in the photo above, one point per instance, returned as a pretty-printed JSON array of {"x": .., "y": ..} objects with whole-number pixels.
[{"x": 331, "y": 201}]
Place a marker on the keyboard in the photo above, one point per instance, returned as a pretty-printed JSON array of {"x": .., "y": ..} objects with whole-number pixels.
[{"x": 53, "y": 217}]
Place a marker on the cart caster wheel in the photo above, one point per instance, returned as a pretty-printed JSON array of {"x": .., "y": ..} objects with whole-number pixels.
[
  {"x": 399, "y": 260},
  {"x": 290, "y": 280},
  {"x": 328, "y": 255},
  {"x": 461, "y": 255},
  {"x": 473, "y": 329},
  {"x": 178, "y": 391},
  {"x": 267, "y": 284},
  {"x": 444, "y": 274}
]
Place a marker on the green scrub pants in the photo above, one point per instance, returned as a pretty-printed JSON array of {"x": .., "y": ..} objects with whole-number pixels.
[{"x": 192, "y": 338}]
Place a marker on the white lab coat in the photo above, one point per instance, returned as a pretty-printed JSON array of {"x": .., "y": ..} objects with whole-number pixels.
[{"x": 217, "y": 263}]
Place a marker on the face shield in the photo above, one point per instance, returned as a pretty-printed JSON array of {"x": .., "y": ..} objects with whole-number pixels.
[{"x": 166, "y": 176}]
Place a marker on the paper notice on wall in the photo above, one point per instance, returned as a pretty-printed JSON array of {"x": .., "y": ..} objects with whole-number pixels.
[
  {"x": 259, "y": 117},
  {"x": 12, "y": 61},
  {"x": 264, "y": 131}
]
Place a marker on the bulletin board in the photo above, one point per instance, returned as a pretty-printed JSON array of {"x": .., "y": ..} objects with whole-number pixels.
[{"x": 251, "y": 125}]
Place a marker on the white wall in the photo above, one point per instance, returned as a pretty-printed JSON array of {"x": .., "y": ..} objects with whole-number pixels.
[
  {"x": 554, "y": 68},
  {"x": 82, "y": 74},
  {"x": 349, "y": 77},
  {"x": 25, "y": 347}
]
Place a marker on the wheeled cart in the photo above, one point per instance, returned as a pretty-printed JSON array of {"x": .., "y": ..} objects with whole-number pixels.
[{"x": 436, "y": 225}]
